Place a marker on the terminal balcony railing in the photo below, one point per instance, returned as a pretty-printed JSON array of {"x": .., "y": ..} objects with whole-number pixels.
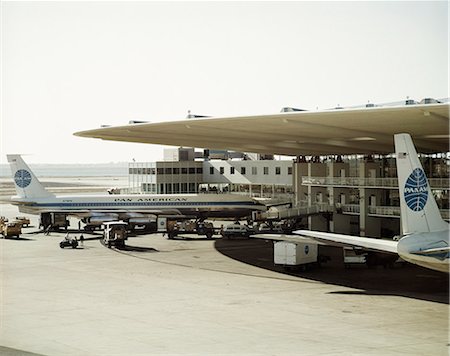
[
  {"x": 393, "y": 211},
  {"x": 356, "y": 182},
  {"x": 381, "y": 211}
]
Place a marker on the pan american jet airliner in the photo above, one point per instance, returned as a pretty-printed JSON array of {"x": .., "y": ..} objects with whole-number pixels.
[
  {"x": 425, "y": 239},
  {"x": 33, "y": 198}
]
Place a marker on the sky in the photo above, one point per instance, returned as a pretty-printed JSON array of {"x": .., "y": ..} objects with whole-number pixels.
[{"x": 74, "y": 66}]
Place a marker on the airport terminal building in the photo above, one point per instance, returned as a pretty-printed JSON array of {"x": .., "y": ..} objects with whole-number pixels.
[
  {"x": 349, "y": 194},
  {"x": 340, "y": 174}
]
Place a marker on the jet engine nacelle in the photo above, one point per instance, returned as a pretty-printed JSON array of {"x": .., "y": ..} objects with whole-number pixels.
[
  {"x": 142, "y": 220},
  {"x": 132, "y": 215},
  {"x": 100, "y": 219}
]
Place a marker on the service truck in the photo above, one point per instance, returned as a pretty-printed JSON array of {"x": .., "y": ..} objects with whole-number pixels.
[
  {"x": 115, "y": 233},
  {"x": 237, "y": 230},
  {"x": 291, "y": 255},
  {"x": 53, "y": 221},
  {"x": 173, "y": 227},
  {"x": 11, "y": 229}
]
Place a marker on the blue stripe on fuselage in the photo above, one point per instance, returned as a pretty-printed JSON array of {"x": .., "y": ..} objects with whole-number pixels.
[{"x": 139, "y": 204}]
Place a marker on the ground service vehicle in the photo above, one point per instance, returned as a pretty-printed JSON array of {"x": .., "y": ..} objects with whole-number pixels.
[
  {"x": 11, "y": 229},
  {"x": 237, "y": 230},
  {"x": 115, "y": 233},
  {"x": 69, "y": 242},
  {"x": 290, "y": 255},
  {"x": 53, "y": 221},
  {"x": 354, "y": 256},
  {"x": 174, "y": 227},
  {"x": 23, "y": 220}
]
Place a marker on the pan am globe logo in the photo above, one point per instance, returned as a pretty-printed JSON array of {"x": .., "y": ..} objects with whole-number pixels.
[
  {"x": 22, "y": 178},
  {"x": 416, "y": 190}
]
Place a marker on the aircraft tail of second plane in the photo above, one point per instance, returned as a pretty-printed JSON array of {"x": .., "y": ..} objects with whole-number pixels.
[{"x": 419, "y": 211}]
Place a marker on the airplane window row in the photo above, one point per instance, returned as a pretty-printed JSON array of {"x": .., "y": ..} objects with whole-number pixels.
[{"x": 158, "y": 203}]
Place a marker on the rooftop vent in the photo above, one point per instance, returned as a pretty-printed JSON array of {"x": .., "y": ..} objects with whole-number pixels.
[
  {"x": 289, "y": 109},
  {"x": 194, "y": 116},
  {"x": 410, "y": 102},
  {"x": 429, "y": 101},
  {"x": 132, "y": 122}
]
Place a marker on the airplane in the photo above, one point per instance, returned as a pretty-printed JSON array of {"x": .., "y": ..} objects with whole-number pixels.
[
  {"x": 425, "y": 239},
  {"x": 33, "y": 198}
]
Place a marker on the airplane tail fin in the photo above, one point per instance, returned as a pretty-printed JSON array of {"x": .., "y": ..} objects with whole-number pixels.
[
  {"x": 419, "y": 211},
  {"x": 26, "y": 184}
]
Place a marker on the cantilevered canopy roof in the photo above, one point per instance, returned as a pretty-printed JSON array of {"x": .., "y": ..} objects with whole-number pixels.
[{"x": 339, "y": 131}]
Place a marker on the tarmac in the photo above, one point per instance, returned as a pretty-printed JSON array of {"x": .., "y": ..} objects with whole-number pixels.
[{"x": 194, "y": 296}]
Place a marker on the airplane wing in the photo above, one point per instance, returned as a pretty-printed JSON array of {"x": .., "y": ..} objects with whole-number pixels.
[
  {"x": 288, "y": 238},
  {"x": 379, "y": 245},
  {"x": 433, "y": 251}
]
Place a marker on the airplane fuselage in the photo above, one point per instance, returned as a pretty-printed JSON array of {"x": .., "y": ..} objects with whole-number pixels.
[
  {"x": 208, "y": 205},
  {"x": 409, "y": 248}
]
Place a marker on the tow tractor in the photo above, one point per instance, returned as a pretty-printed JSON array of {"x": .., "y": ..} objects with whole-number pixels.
[
  {"x": 69, "y": 241},
  {"x": 115, "y": 233}
]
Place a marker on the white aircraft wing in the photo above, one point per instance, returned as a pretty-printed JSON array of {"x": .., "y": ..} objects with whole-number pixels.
[
  {"x": 389, "y": 246},
  {"x": 288, "y": 238},
  {"x": 433, "y": 251}
]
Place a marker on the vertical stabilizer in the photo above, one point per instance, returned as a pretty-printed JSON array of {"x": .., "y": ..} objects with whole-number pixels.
[
  {"x": 26, "y": 183},
  {"x": 419, "y": 211}
]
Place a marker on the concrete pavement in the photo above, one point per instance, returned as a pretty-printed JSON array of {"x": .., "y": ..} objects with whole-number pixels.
[{"x": 210, "y": 297}]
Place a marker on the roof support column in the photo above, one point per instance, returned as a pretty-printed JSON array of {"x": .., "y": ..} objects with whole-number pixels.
[
  {"x": 363, "y": 205},
  {"x": 330, "y": 193}
]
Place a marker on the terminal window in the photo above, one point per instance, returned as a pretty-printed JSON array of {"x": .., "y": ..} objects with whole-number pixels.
[
  {"x": 242, "y": 170},
  {"x": 278, "y": 170},
  {"x": 231, "y": 170},
  {"x": 222, "y": 170},
  {"x": 211, "y": 170},
  {"x": 266, "y": 170},
  {"x": 254, "y": 170}
]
